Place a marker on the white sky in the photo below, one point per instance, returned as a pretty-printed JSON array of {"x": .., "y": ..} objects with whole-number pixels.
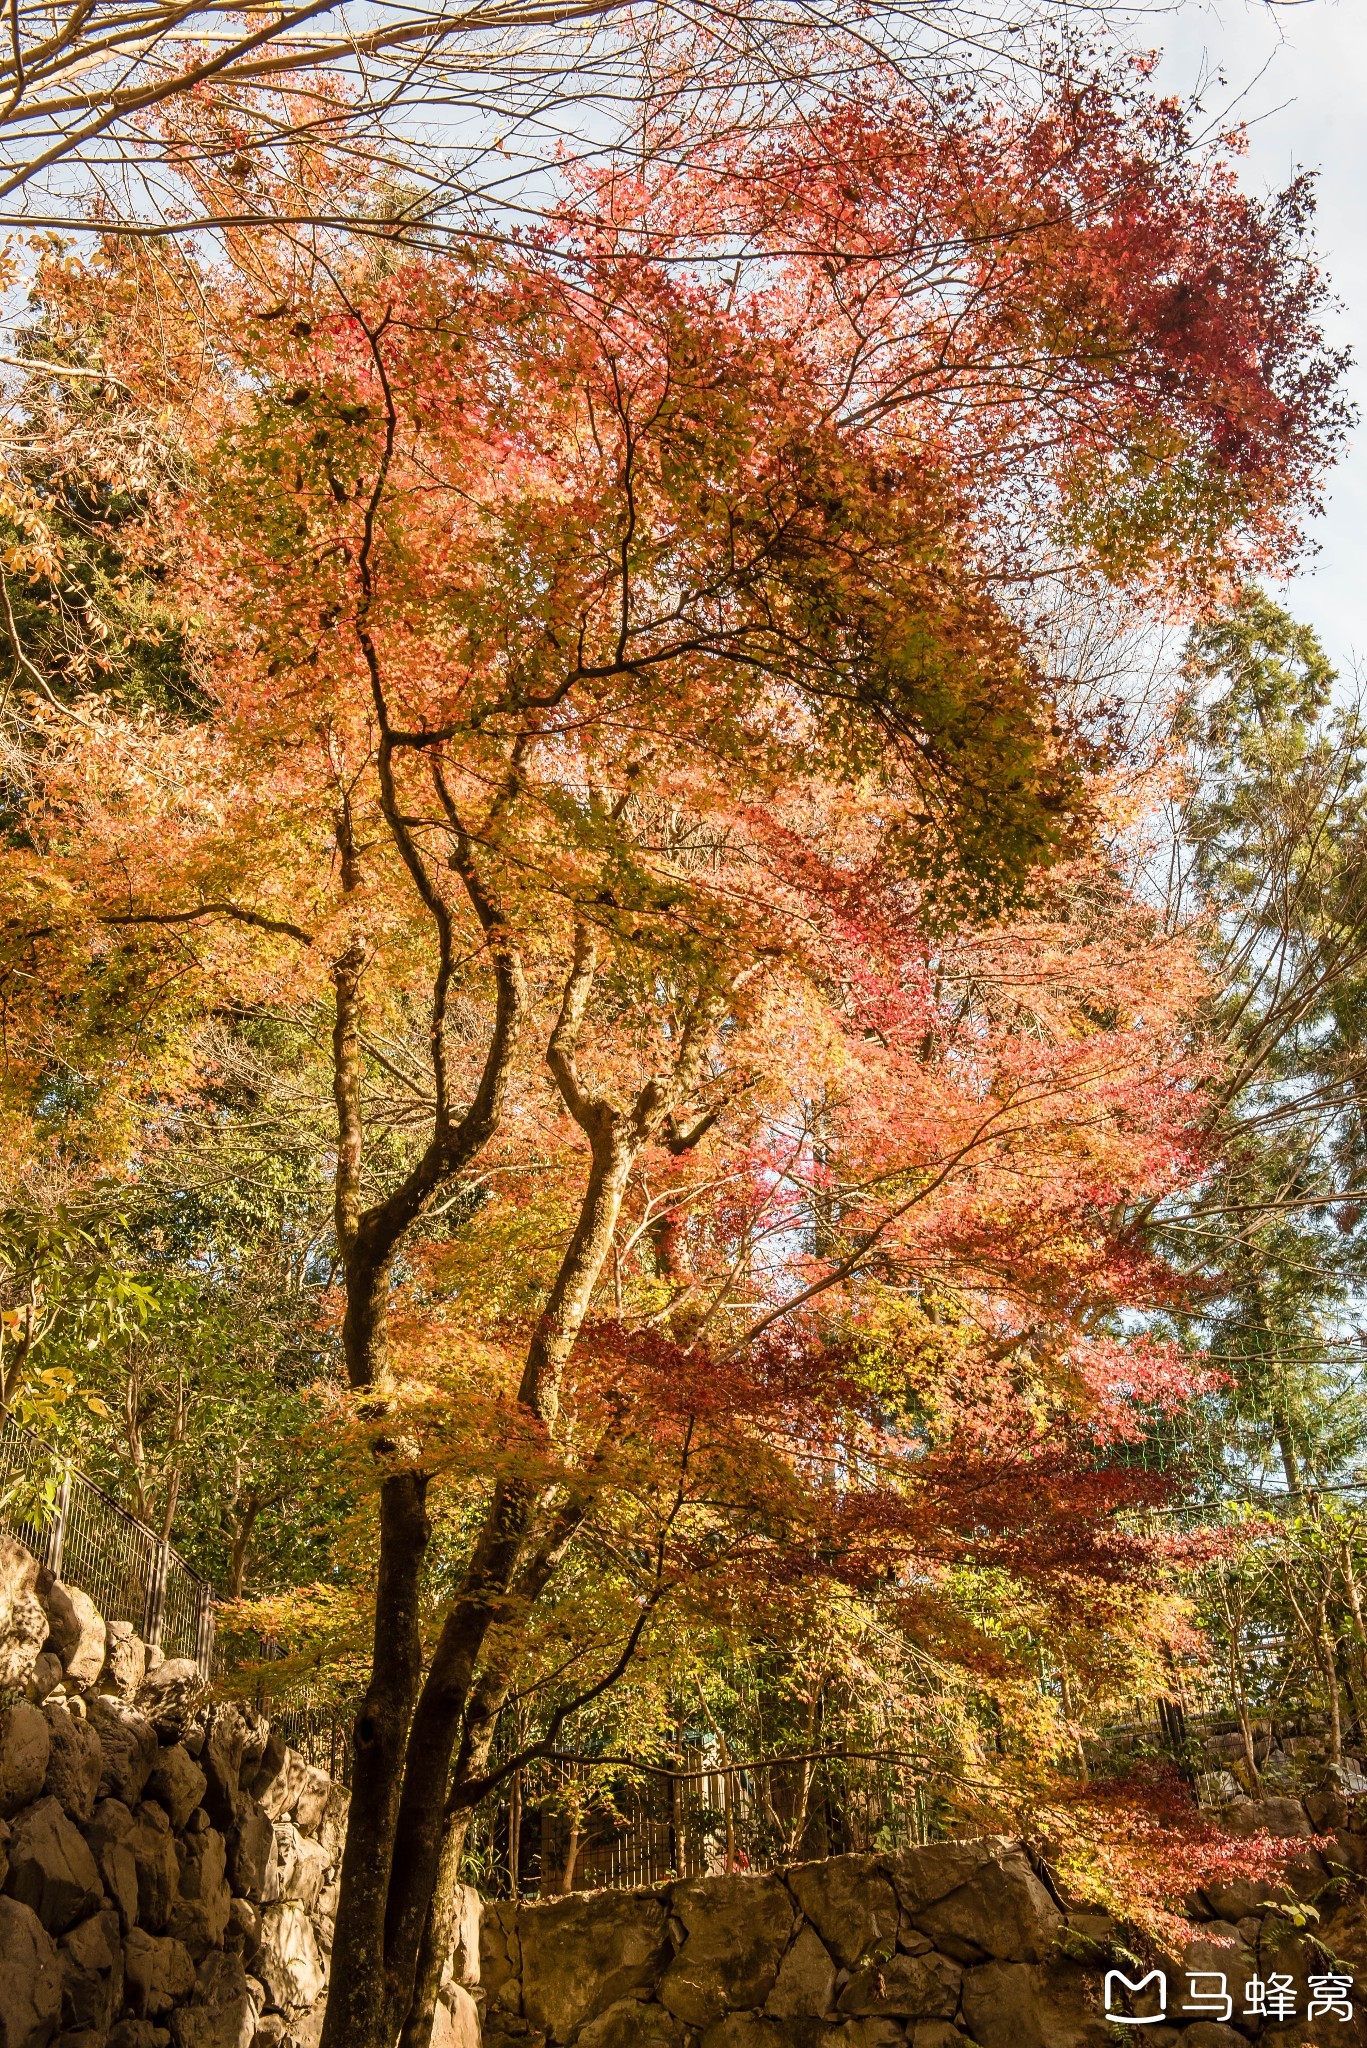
[{"x": 1298, "y": 73}]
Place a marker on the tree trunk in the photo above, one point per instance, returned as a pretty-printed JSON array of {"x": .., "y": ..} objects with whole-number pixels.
[{"x": 359, "y": 2006}]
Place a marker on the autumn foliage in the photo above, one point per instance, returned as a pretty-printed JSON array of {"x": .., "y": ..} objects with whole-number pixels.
[{"x": 629, "y": 732}]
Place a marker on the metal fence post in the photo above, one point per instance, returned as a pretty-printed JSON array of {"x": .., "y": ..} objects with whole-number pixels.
[
  {"x": 156, "y": 1595},
  {"x": 204, "y": 1629},
  {"x": 56, "y": 1533}
]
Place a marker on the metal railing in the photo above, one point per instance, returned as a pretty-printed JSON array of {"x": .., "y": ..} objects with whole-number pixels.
[{"x": 84, "y": 1537}]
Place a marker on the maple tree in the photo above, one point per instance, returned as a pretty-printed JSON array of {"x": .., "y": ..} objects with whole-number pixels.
[{"x": 615, "y": 712}]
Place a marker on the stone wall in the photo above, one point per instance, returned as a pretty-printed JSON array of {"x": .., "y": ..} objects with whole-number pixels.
[
  {"x": 168, "y": 1876},
  {"x": 167, "y": 1866},
  {"x": 952, "y": 1944}
]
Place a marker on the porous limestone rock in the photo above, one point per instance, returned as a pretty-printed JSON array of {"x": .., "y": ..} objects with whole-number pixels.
[
  {"x": 77, "y": 1629},
  {"x": 170, "y": 1695},
  {"x": 25, "y": 1741},
  {"x": 23, "y": 1618},
  {"x": 129, "y": 1745},
  {"x": 74, "y": 1763},
  {"x": 288, "y": 1962}
]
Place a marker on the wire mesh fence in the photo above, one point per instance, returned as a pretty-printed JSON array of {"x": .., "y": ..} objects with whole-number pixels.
[{"x": 82, "y": 1535}]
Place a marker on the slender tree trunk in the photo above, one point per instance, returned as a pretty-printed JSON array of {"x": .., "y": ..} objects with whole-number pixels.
[{"x": 359, "y": 2007}]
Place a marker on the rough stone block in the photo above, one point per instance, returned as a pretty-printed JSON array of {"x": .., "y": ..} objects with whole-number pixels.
[
  {"x": 158, "y": 1868},
  {"x": 51, "y": 1869},
  {"x": 737, "y": 1930},
  {"x": 1003, "y": 1911},
  {"x": 199, "y": 1911},
  {"x": 129, "y": 1744},
  {"x": 455, "y": 2023},
  {"x": 30, "y": 1978},
  {"x": 170, "y": 1695},
  {"x": 580, "y": 1955},
  {"x": 176, "y": 1782},
  {"x": 287, "y": 1962},
  {"x": 77, "y": 1629},
  {"x": 914, "y": 1987},
  {"x": 805, "y": 1986},
  {"x": 158, "y": 1973},
  {"x": 108, "y": 1838},
  {"x": 90, "y": 1958},
  {"x": 25, "y": 1741},
  {"x": 23, "y": 1618},
  {"x": 851, "y": 1903},
  {"x": 310, "y": 1801},
  {"x": 75, "y": 1761}
]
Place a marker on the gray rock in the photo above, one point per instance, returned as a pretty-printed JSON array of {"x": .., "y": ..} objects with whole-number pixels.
[
  {"x": 251, "y": 1847},
  {"x": 158, "y": 1973},
  {"x": 288, "y": 1962},
  {"x": 158, "y": 1867},
  {"x": 219, "y": 2014},
  {"x": 301, "y": 1866},
  {"x": 176, "y": 1782},
  {"x": 225, "y": 1739},
  {"x": 51, "y": 1869},
  {"x": 805, "y": 1985},
  {"x": 23, "y": 1618},
  {"x": 851, "y": 1903},
  {"x": 24, "y": 1745},
  {"x": 923, "y": 1875},
  {"x": 74, "y": 1761},
  {"x": 580, "y": 1956},
  {"x": 1003, "y": 1911},
  {"x": 281, "y": 1789},
  {"x": 311, "y": 1800},
  {"x": 30, "y": 1978},
  {"x": 267, "y": 1770},
  {"x": 107, "y": 1836},
  {"x": 199, "y": 1912},
  {"x": 1212, "y": 2034},
  {"x": 77, "y": 1629},
  {"x": 737, "y": 1929},
  {"x": 455, "y": 2023},
  {"x": 46, "y": 1673},
  {"x": 170, "y": 1695},
  {"x": 936, "y": 2034},
  {"x": 629, "y": 2024},
  {"x": 1009, "y": 2005},
  {"x": 125, "y": 1661},
  {"x": 1285, "y": 1818},
  {"x": 916, "y": 1987},
  {"x": 129, "y": 1745},
  {"x": 90, "y": 1958},
  {"x": 462, "y": 1965}
]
